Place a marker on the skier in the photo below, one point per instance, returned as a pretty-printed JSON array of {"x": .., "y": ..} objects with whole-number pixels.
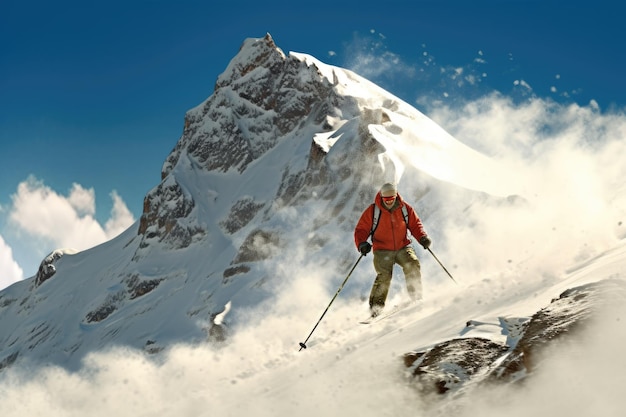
[{"x": 391, "y": 244}]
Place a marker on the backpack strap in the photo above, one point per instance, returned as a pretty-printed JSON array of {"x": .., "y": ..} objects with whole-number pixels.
[
  {"x": 405, "y": 214},
  {"x": 376, "y": 217}
]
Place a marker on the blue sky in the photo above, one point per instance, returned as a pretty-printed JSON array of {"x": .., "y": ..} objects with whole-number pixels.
[{"x": 93, "y": 94}]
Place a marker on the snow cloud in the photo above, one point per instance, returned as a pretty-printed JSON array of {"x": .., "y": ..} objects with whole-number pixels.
[
  {"x": 571, "y": 201},
  {"x": 41, "y": 220},
  {"x": 369, "y": 57}
]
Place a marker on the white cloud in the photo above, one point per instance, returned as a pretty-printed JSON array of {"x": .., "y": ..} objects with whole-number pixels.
[
  {"x": 120, "y": 218},
  {"x": 42, "y": 220},
  {"x": 82, "y": 200},
  {"x": 63, "y": 221},
  {"x": 10, "y": 271}
]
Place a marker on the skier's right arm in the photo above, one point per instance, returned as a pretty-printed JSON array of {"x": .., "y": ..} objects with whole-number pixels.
[{"x": 363, "y": 227}]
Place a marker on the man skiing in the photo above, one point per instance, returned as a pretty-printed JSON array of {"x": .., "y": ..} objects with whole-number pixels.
[{"x": 391, "y": 244}]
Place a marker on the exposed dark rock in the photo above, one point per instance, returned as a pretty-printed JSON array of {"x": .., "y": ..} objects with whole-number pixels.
[
  {"x": 163, "y": 211},
  {"x": 5, "y": 301},
  {"x": 151, "y": 347},
  {"x": 108, "y": 307},
  {"x": 566, "y": 316},
  {"x": 450, "y": 364},
  {"x": 259, "y": 245},
  {"x": 138, "y": 287},
  {"x": 46, "y": 268},
  {"x": 218, "y": 334},
  {"x": 235, "y": 270},
  {"x": 9, "y": 360},
  {"x": 457, "y": 362},
  {"x": 39, "y": 334},
  {"x": 100, "y": 314},
  {"x": 240, "y": 214}
]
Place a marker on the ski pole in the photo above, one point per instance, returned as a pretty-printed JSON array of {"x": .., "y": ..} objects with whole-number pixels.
[
  {"x": 444, "y": 268},
  {"x": 303, "y": 344}
]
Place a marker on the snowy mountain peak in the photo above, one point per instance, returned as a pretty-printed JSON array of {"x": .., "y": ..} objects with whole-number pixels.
[
  {"x": 263, "y": 101},
  {"x": 255, "y": 54}
]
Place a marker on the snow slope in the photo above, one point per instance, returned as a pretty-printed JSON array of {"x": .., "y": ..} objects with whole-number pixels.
[{"x": 348, "y": 368}]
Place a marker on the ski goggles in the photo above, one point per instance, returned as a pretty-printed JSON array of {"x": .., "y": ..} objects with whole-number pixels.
[{"x": 389, "y": 199}]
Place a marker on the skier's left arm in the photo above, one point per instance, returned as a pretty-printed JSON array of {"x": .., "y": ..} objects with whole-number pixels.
[{"x": 417, "y": 228}]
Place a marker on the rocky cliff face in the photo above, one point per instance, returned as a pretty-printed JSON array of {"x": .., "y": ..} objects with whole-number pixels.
[{"x": 263, "y": 98}]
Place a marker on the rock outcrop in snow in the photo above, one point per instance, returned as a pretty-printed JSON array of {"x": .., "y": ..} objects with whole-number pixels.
[
  {"x": 461, "y": 363},
  {"x": 46, "y": 268}
]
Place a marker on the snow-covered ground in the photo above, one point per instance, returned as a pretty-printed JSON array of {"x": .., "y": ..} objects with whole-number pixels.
[{"x": 348, "y": 368}]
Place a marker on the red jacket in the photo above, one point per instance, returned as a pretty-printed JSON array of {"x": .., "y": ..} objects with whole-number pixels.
[{"x": 391, "y": 233}]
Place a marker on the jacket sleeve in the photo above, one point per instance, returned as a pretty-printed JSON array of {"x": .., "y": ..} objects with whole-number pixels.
[
  {"x": 415, "y": 224},
  {"x": 364, "y": 226}
]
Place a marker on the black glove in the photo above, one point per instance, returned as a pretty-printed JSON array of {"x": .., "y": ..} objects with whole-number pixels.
[
  {"x": 425, "y": 242},
  {"x": 365, "y": 248}
]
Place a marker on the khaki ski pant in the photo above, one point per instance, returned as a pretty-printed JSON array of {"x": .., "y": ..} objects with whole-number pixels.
[{"x": 384, "y": 261}]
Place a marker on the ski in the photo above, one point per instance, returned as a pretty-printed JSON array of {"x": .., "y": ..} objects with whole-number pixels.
[{"x": 384, "y": 315}]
